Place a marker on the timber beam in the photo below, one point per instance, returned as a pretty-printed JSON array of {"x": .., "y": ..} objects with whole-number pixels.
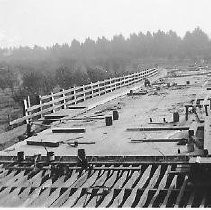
[{"x": 158, "y": 128}]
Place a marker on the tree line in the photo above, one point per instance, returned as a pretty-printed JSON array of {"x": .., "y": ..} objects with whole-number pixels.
[{"x": 38, "y": 70}]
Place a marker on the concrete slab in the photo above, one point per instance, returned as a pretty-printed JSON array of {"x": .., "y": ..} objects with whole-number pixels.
[{"x": 133, "y": 111}]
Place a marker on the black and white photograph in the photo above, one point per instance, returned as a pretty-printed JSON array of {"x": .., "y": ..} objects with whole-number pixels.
[{"x": 105, "y": 104}]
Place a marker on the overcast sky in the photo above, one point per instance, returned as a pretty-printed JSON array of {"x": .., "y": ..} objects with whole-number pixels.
[{"x": 46, "y": 22}]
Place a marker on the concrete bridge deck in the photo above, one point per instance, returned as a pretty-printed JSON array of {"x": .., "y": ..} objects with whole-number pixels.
[{"x": 134, "y": 111}]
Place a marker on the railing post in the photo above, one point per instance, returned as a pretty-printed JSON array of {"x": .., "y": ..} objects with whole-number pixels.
[
  {"x": 124, "y": 81},
  {"x": 52, "y": 99},
  {"x": 111, "y": 89},
  {"x": 74, "y": 95},
  {"x": 28, "y": 101},
  {"x": 98, "y": 85},
  {"x": 115, "y": 81},
  {"x": 91, "y": 85},
  {"x": 84, "y": 93},
  {"x": 64, "y": 106},
  {"x": 28, "y": 104},
  {"x": 25, "y": 113},
  {"x": 39, "y": 102}
]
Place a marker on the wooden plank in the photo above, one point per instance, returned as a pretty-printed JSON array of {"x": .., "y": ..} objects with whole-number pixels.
[
  {"x": 42, "y": 143},
  {"x": 15, "y": 178},
  {"x": 41, "y": 198},
  {"x": 121, "y": 179},
  {"x": 51, "y": 198},
  {"x": 20, "y": 198},
  {"x": 101, "y": 179},
  {"x": 151, "y": 184},
  {"x": 34, "y": 181},
  {"x": 5, "y": 192},
  {"x": 92, "y": 202},
  {"x": 118, "y": 199},
  {"x": 71, "y": 200},
  {"x": 31, "y": 197},
  {"x": 107, "y": 199},
  {"x": 82, "y": 199},
  {"x": 144, "y": 177},
  {"x": 171, "y": 187},
  {"x": 71, "y": 179},
  {"x": 65, "y": 196},
  {"x": 158, "y": 128},
  {"x": 154, "y": 140},
  {"x": 111, "y": 180},
  {"x": 76, "y": 107},
  {"x": 160, "y": 186},
  {"x": 132, "y": 179},
  {"x": 181, "y": 193},
  {"x": 68, "y": 130},
  {"x": 91, "y": 180},
  {"x": 5, "y": 201},
  {"x": 58, "y": 182},
  {"x": 131, "y": 198},
  {"x": 6, "y": 178}
]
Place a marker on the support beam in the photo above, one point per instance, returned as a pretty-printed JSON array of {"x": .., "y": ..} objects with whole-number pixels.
[
  {"x": 157, "y": 128},
  {"x": 155, "y": 140},
  {"x": 68, "y": 130}
]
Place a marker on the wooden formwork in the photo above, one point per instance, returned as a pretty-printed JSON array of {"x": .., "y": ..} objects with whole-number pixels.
[{"x": 124, "y": 183}]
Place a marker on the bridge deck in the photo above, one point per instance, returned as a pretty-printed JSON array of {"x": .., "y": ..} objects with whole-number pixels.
[{"x": 134, "y": 111}]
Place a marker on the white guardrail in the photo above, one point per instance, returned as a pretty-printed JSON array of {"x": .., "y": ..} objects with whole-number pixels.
[{"x": 60, "y": 100}]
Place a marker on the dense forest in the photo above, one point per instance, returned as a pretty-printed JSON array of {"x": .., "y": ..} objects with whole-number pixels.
[{"x": 38, "y": 70}]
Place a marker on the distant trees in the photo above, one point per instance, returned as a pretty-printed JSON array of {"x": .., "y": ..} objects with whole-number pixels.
[
  {"x": 7, "y": 79},
  {"x": 41, "y": 69}
]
